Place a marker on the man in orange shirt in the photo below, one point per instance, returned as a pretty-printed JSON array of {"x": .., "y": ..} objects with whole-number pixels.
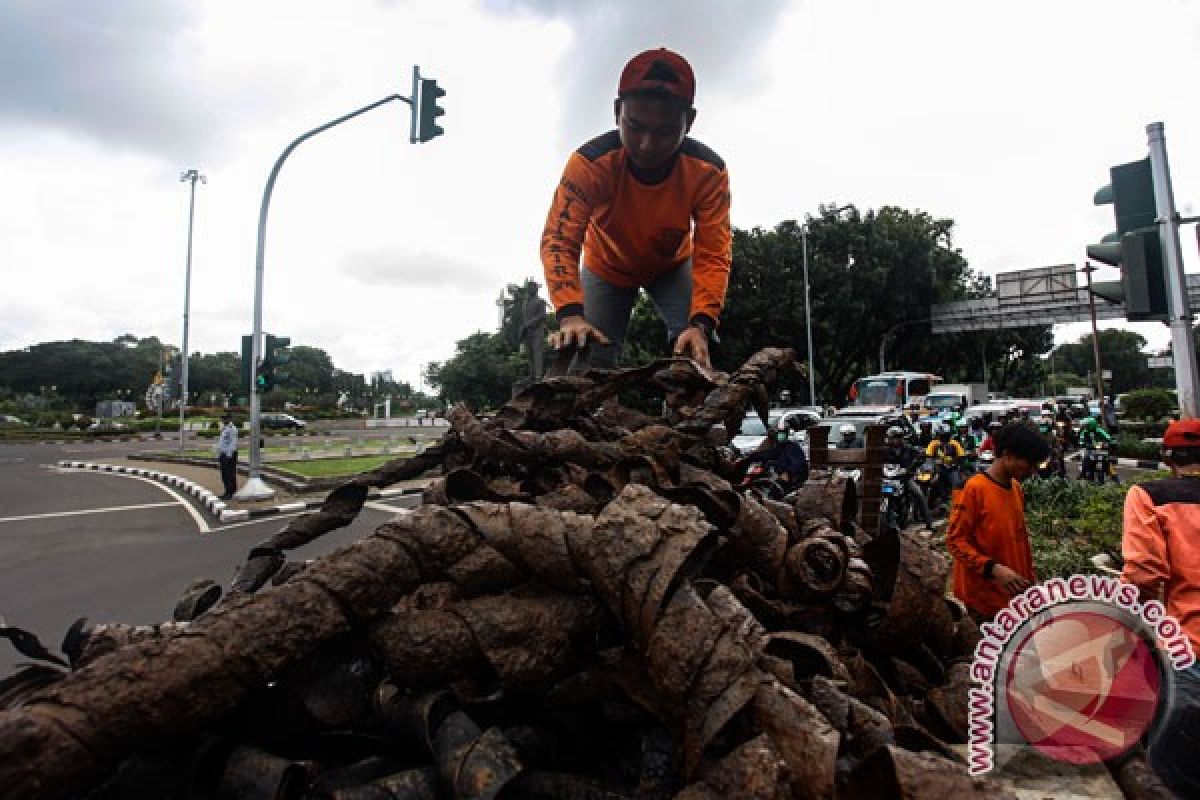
[
  {"x": 987, "y": 536},
  {"x": 647, "y": 207},
  {"x": 1161, "y": 547}
]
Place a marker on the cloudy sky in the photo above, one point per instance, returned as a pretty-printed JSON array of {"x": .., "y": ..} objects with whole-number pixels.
[{"x": 1002, "y": 116}]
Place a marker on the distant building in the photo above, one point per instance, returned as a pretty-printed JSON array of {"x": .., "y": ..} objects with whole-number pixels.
[
  {"x": 381, "y": 376},
  {"x": 108, "y": 409}
]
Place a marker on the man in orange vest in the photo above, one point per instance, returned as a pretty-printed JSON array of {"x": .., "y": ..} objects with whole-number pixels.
[
  {"x": 1161, "y": 548},
  {"x": 647, "y": 207}
]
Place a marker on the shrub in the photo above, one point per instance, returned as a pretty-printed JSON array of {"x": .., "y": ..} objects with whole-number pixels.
[
  {"x": 1149, "y": 404},
  {"x": 1144, "y": 430},
  {"x": 1071, "y": 521},
  {"x": 1132, "y": 447}
]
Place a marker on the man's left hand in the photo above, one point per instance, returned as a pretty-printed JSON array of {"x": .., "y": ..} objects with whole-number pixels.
[{"x": 693, "y": 342}]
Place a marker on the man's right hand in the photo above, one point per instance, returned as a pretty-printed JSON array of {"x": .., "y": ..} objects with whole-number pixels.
[
  {"x": 576, "y": 332},
  {"x": 1008, "y": 580}
]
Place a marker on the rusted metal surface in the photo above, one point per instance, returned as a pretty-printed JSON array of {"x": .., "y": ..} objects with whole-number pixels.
[{"x": 582, "y": 607}]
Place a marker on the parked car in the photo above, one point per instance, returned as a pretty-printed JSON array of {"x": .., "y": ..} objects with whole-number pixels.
[
  {"x": 8, "y": 420},
  {"x": 281, "y": 422},
  {"x": 107, "y": 425}
]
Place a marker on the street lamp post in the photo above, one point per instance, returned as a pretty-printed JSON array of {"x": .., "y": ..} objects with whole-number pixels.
[
  {"x": 255, "y": 487},
  {"x": 191, "y": 176},
  {"x": 812, "y": 378}
]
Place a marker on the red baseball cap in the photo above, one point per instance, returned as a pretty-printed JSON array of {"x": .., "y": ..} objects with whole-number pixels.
[
  {"x": 661, "y": 69},
  {"x": 1182, "y": 433}
]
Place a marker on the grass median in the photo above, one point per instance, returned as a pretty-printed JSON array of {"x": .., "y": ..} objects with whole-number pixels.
[{"x": 333, "y": 467}]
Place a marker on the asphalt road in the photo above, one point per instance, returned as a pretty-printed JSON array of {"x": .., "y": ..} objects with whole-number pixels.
[{"x": 114, "y": 548}]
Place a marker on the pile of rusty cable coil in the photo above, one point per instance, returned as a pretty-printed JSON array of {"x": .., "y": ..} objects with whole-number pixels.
[{"x": 582, "y": 607}]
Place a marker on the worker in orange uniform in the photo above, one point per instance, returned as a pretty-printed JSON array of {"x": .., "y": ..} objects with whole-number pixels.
[
  {"x": 647, "y": 207},
  {"x": 1161, "y": 547},
  {"x": 987, "y": 536}
]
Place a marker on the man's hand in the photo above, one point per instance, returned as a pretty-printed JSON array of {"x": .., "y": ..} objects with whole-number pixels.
[
  {"x": 575, "y": 332},
  {"x": 693, "y": 342},
  {"x": 1008, "y": 580}
]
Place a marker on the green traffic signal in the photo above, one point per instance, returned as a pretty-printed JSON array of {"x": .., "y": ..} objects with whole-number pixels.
[{"x": 429, "y": 111}]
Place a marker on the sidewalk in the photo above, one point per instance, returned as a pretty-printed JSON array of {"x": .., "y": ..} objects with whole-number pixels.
[{"x": 204, "y": 484}]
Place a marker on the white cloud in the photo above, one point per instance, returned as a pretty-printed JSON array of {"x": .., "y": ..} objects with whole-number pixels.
[{"x": 1002, "y": 117}]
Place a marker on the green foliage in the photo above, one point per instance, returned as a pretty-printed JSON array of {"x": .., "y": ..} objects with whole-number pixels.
[
  {"x": 480, "y": 374},
  {"x": 1129, "y": 446},
  {"x": 903, "y": 261},
  {"x": 1120, "y": 351},
  {"x": 1071, "y": 521},
  {"x": 1148, "y": 404},
  {"x": 1143, "y": 430}
]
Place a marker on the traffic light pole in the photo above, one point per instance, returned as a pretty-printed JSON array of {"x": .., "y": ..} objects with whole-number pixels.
[
  {"x": 1088, "y": 269},
  {"x": 1182, "y": 346},
  {"x": 255, "y": 487}
]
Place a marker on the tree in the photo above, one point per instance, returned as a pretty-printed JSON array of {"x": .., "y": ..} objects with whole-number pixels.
[
  {"x": 480, "y": 374},
  {"x": 308, "y": 368},
  {"x": 873, "y": 277},
  {"x": 1120, "y": 351}
]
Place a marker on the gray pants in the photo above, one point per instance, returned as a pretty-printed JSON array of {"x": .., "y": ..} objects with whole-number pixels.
[
  {"x": 608, "y": 307},
  {"x": 1174, "y": 747}
]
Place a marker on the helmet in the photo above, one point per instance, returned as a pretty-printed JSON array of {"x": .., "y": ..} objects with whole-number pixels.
[
  {"x": 944, "y": 431},
  {"x": 1090, "y": 423},
  {"x": 895, "y": 431},
  {"x": 846, "y": 429},
  {"x": 926, "y": 423},
  {"x": 994, "y": 425},
  {"x": 781, "y": 435},
  {"x": 960, "y": 423}
]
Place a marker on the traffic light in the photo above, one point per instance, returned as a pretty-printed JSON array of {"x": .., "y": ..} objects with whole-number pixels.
[
  {"x": 247, "y": 361},
  {"x": 174, "y": 376},
  {"x": 1135, "y": 246},
  {"x": 274, "y": 355},
  {"x": 428, "y": 110}
]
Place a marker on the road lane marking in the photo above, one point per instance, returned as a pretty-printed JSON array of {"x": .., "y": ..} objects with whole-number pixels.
[
  {"x": 54, "y": 514},
  {"x": 200, "y": 523},
  {"x": 180, "y": 500}
]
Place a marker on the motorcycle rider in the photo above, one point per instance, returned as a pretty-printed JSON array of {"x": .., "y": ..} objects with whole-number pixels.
[
  {"x": 925, "y": 433},
  {"x": 1092, "y": 436},
  {"x": 989, "y": 441},
  {"x": 977, "y": 431},
  {"x": 849, "y": 437},
  {"x": 963, "y": 436},
  {"x": 905, "y": 455},
  {"x": 784, "y": 456},
  {"x": 948, "y": 454}
]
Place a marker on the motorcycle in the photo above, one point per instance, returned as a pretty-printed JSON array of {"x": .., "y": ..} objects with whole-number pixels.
[
  {"x": 763, "y": 478},
  {"x": 1097, "y": 465},
  {"x": 895, "y": 504},
  {"x": 938, "y": 482}
]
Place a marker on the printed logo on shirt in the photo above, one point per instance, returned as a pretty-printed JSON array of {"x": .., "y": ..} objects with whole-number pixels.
[{"x": 1075, "y": 667}]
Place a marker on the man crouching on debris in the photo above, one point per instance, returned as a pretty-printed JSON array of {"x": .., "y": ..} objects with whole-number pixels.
[
  {"x": 993, "y": 560},
  {"x": 648, "y": 207},
  {"x": 1161, "y": 547}
]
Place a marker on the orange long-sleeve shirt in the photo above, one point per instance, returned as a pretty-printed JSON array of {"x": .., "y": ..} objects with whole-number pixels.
[
  {"x": 630, "y": 232},
  {"x": 1161, "y": 546},
  {"x": 988, "y": 524}
]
